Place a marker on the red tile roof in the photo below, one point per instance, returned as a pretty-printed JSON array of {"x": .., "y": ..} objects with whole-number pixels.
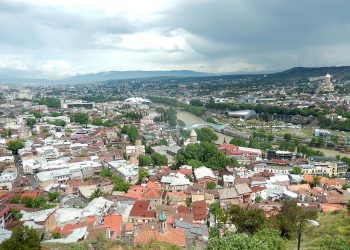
[
  {"x": 256, "y": 189},
  {"x": 140, "y": 209},
  {"x": 4, "y": 210},
  {"x": 153, "y": 194},
  {"x": 199, "y": 210},
  {"x": 114, "y": 223},
  {"x": 172, "y": 236},
  {"x": 183, "y": 209},
  {"x": 68, "y": 228}
]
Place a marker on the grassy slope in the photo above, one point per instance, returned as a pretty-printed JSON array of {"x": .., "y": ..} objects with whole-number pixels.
[{"x": 332, "y": 225}]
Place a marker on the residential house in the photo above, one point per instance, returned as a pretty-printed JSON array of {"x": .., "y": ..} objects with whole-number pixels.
[{"x": 203, "y": 175}]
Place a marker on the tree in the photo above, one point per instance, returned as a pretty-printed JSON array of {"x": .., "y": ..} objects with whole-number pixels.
[
  {"x": 196, "y": 102},
  {"x": 210, "y": 185},
  {"x": 53, "y": 196},
  {"x": 188, "y": 202},
  {"x": 142, "y": 174},
  {"x": 37, "y": 114},
  {"x": 16, "y": 215},
  {"x": 206, "y": 134},
  {"x": 22, "y": 238},
  {"x": 214, "y": 232},
  {"x": 159, "y": 160},
  {"x": 120, "y": 184},
  {"x": 195, "y": 163},
  {"x": 105, "y": 172},
  {"x": 15, "y": 145},
  {"x": 258, "y": 199},
  {"x": 238, "y": 141},
  {"x": 31, "y": 122},
  {"x": 80, "y": 117},
  {"x": 290, "y": 216},
  {"x": 97, "y": 193},
  {"x": 59, "y": 123},
  {"x": 145, "y": 160},
  {"x": 246, "y": 220},
  {"x": 348, "y": 206},
  {"x": 346, "y": 186},
  {"x": 56, "y": 235},
  {"x": 206, "y": 153},
  {"x": 130, "y": 131},
  {"x": 263, "y": 240},
  {"x": 287, "y": 136},
  {"x": 297, "y": 170},
  {"x": 315, "y": 182}
]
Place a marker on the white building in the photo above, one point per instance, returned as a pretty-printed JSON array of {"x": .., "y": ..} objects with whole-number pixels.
[{"x": 129, "y": 172}]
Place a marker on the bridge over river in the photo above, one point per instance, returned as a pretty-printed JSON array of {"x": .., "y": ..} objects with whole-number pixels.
[{"x": 217, "y": 127}]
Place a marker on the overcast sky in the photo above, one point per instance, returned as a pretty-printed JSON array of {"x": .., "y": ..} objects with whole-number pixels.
[{"x": 58, "y": 38}]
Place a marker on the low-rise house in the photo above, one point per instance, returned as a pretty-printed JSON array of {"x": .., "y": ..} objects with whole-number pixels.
[
  {"x": 228, "y": 180},
  {"x": 129, "y": 172},
  {"x": 4, "y": 215},
  {"x": 114, "y": 223},
  {"x": 154, "y": 196},
  {"x": 193, "y": 231},
  {"x": 200, "y": 212},
  {"x": 240, "y": 193},
  {"x": 175, "y": 182},
  {"x": 52, "y": 177},
  {"x": 282, "y": 180},
  {"x": 277, "y": 170},
  {"x": 258, "y": 191},
  {"x": 204, "y": 175},
  {"x": 176, "y": 198},
  {"x": 36, "y": 220},
  {"x": 142, "y": 212},
  {"x": 160, "y": 231}
]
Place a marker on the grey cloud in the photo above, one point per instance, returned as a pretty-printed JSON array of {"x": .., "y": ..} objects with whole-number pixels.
[{"x": 244, "y": 28}]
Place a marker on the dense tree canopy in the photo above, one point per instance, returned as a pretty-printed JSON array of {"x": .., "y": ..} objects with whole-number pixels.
[
  {"x": 246, "y": 220},
  {"x": 31, "y": 122},
  {"x": 210, "y": 185},
  {"x": 206, "y": 153},
  {"x": 266, "y": 239},
  {"x": 79, "y": 117},
  {"x": 59, "y": 123},
  {"x": 145, "y": 160},
  {"x": 15, "y": 145},
  {"x": 119, "y": 183},
  {"x": 289, "y": 217},
  {"x": 297, "y": 170},
  {"x": 159, "y": 160},
  {"x": 131, "y": 131},
  {"x": 206, "y": 134},
  {"x": 23, "y": 238}
]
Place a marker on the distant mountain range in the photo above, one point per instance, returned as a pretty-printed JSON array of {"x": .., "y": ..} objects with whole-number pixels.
[
  {"x": 118, "y": 75},
  {"x": 293, "y": 73},
  {"x": 307, "y": 72},
  {"x": 101, "y": 76}
]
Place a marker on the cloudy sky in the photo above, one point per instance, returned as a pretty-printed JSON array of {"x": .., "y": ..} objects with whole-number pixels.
[{"x": 59, "y": 38}]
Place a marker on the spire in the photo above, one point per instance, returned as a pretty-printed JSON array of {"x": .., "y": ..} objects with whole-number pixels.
[{"x": 162, "y": 221}]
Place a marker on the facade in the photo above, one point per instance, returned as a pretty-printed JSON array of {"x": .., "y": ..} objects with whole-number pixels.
[
  {"x": 204, "y": 175},
  {"x": 129, "y": 172}
]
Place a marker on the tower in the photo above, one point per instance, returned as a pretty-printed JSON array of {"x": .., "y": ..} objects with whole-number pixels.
[
  {"x": 138, "y": 141},
  {"x": 193, "y": 136},
  {"x": 162, "y": 222}
]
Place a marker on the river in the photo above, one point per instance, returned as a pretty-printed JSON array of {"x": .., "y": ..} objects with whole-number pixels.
[{"x": 189, "y": 118}]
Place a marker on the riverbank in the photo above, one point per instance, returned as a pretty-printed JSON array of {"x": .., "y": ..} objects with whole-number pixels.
[{"x": 189, "y": 119}]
